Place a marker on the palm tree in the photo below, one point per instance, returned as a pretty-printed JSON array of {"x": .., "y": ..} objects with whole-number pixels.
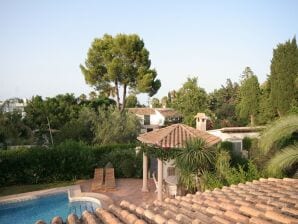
[
  {"x": 192, "y": 161},
  {"x": 285, "y": 158}
]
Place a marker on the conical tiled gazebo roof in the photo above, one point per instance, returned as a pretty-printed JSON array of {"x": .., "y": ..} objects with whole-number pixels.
[{"x": 174, "y": 136}]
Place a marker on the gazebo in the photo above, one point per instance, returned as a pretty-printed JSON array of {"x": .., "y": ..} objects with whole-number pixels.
[{"x": 173, "y": 136}]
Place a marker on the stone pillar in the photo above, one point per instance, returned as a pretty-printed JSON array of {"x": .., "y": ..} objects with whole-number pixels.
[
  {"x": 145, "y": 173},
  {"x": 159, "y": 181}
]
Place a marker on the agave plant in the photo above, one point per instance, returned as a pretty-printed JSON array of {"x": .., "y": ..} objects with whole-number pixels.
[
  {"x": 192, "y": 160},
  {"x": 284, "y": 158}
]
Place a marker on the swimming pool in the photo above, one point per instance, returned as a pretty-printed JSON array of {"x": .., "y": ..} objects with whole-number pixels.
[{"x": 44, "y": 207}]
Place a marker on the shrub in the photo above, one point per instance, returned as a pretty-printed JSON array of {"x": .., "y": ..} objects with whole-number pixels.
[
  {"x": 68, "y": 161},
  {"x": 236, "y": 158},
  {"x": 246, "y": 143},
  {"x": 209, "y": 181},
  {"x": 127, "y": 167}
]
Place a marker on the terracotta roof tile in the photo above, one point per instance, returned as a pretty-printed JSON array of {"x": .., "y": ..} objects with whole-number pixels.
[
  {"x": 168, "y": 112},
  {"x": 142, "y": 111},
  {"x": 274, "y": 203},
  {"x": 175, "y": 136}
]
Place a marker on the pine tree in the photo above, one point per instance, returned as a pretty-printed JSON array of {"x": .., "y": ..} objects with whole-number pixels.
[{"x": 284, "y": 72}]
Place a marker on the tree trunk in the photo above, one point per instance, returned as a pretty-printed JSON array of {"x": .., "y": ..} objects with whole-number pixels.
[
  {"x": 117, "y": 94},
  {"x": 124, "y": 97},
  {"x": 252, "y": 120}
]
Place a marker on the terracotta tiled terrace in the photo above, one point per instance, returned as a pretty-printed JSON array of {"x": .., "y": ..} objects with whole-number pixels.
[
  {"x": 259, "y": 202},
  {"x": 126, "y": 189}
]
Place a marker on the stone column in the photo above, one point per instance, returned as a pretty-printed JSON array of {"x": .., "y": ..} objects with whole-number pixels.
[
  {"x": 145, "y": 173},
  {"x": 159, "y": 181}
]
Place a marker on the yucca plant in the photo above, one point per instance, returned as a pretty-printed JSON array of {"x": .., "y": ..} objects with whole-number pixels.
[
  {"x": 284, "y": 158},
  {"x": 192, "y": 161}
]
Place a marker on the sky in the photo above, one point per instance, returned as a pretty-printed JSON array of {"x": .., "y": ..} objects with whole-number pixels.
[{"x": 42, "y": 43}]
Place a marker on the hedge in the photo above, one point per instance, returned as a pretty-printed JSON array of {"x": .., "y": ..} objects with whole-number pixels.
[{"x": 68, "y": 161}]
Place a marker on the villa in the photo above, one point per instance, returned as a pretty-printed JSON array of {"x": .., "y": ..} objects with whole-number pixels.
[
  {"x": 13, "y": 104},
  {"x": 261, "y": 201},
  {"x": 155, "y": 118}
]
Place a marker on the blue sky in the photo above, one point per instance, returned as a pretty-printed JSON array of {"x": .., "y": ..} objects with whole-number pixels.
[{"x": 42, "y": 43}]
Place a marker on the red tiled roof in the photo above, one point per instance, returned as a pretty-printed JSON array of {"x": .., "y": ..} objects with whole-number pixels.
[
  {"x": 168, "y": 112},
  {"x": 142, "y": 111},
  {"x": 265, "y": 201},
  {"x": 175, "y": 136}
]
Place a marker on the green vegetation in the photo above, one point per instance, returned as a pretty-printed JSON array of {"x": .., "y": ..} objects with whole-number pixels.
[
  {"x": 280, "y": 139},
  {"x": 238, "y": 104},
  {"x": 203, "y": 167},
  {"x": 266, "y": 112},
  {"x": 192, "y": 161},
  {"x": 131, "y": 101},
  {"x": 120, "y": 61},
  {"x": 71, "y": 136},
  {"x": 249, "y": 93},
  {"x": 189, "y": 100},
  {"x": 65, "y": 162},
  {"x": 284, "y": 73},
  {"x": 222, "y": 104},
  {"x": 112, "y": 126},
  {"x": 155, "y": 103},
  {"x": 18, "y": 189}
]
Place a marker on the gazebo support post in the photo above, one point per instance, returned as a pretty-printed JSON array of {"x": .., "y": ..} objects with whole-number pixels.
[
  {"x": 145, "y": 173},
  {"x": 159, "y": 181}
]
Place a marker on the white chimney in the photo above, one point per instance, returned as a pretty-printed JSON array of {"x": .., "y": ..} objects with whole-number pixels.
[{"x": 201, "y": 121}]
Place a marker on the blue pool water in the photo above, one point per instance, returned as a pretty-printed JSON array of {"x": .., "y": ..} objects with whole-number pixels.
[{"x": 45, "y": 208}]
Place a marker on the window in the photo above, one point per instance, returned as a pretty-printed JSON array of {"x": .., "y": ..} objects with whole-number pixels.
[{"x": 146, "y": 119}]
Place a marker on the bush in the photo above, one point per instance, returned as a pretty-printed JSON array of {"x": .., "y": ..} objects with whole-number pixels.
[
  {"x": 225, "y": 145},
  {"x": 68, "y": 161},
  {"x": 225, "y": 175},
  {"x": 209, "y": 181},
  {"x": 247, "y": 143},
  {"x": 236, "y": 158},
  {"x": 127, "y": 168}
]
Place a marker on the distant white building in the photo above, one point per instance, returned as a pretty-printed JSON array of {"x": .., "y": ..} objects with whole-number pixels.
[
  {"x": 154, "y": 118},
  {"x": 235, "y": 135},
  {"x": 13, "y": 104}
]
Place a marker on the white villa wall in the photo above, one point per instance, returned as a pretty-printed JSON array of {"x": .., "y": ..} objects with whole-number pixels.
[
  {"x": 225, "y": 136},
  {"x": 165, "y": 167},
  {"x": 157, "y": 119}
]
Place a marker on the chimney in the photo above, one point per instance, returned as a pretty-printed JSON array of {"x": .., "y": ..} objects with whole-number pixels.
[{"x": 201, "y": 121}]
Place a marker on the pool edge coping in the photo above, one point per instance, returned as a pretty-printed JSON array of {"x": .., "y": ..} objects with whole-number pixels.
[{"x": 74, "y": 194}]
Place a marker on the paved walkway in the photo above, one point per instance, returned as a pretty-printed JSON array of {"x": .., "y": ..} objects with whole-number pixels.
[{"x": 126, "y": 189}]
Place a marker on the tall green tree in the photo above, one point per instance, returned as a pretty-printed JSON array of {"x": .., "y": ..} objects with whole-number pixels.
[
  {"x": 164, "y": 101},
  {"x": 155, "y": 103},
  {"x": 118, "y": 63},
  {"x": 131, "y": 101},
  {"x": 13, "y": 130},
  {"x": 113, "y": 126},
  {"x": 222, "y": 102},
  {"x": 189, "y": 100},
  {"x": 248, "y": 96},
  {"x": 266, "y": 113},
  {"x": 284, "y": 73}
]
